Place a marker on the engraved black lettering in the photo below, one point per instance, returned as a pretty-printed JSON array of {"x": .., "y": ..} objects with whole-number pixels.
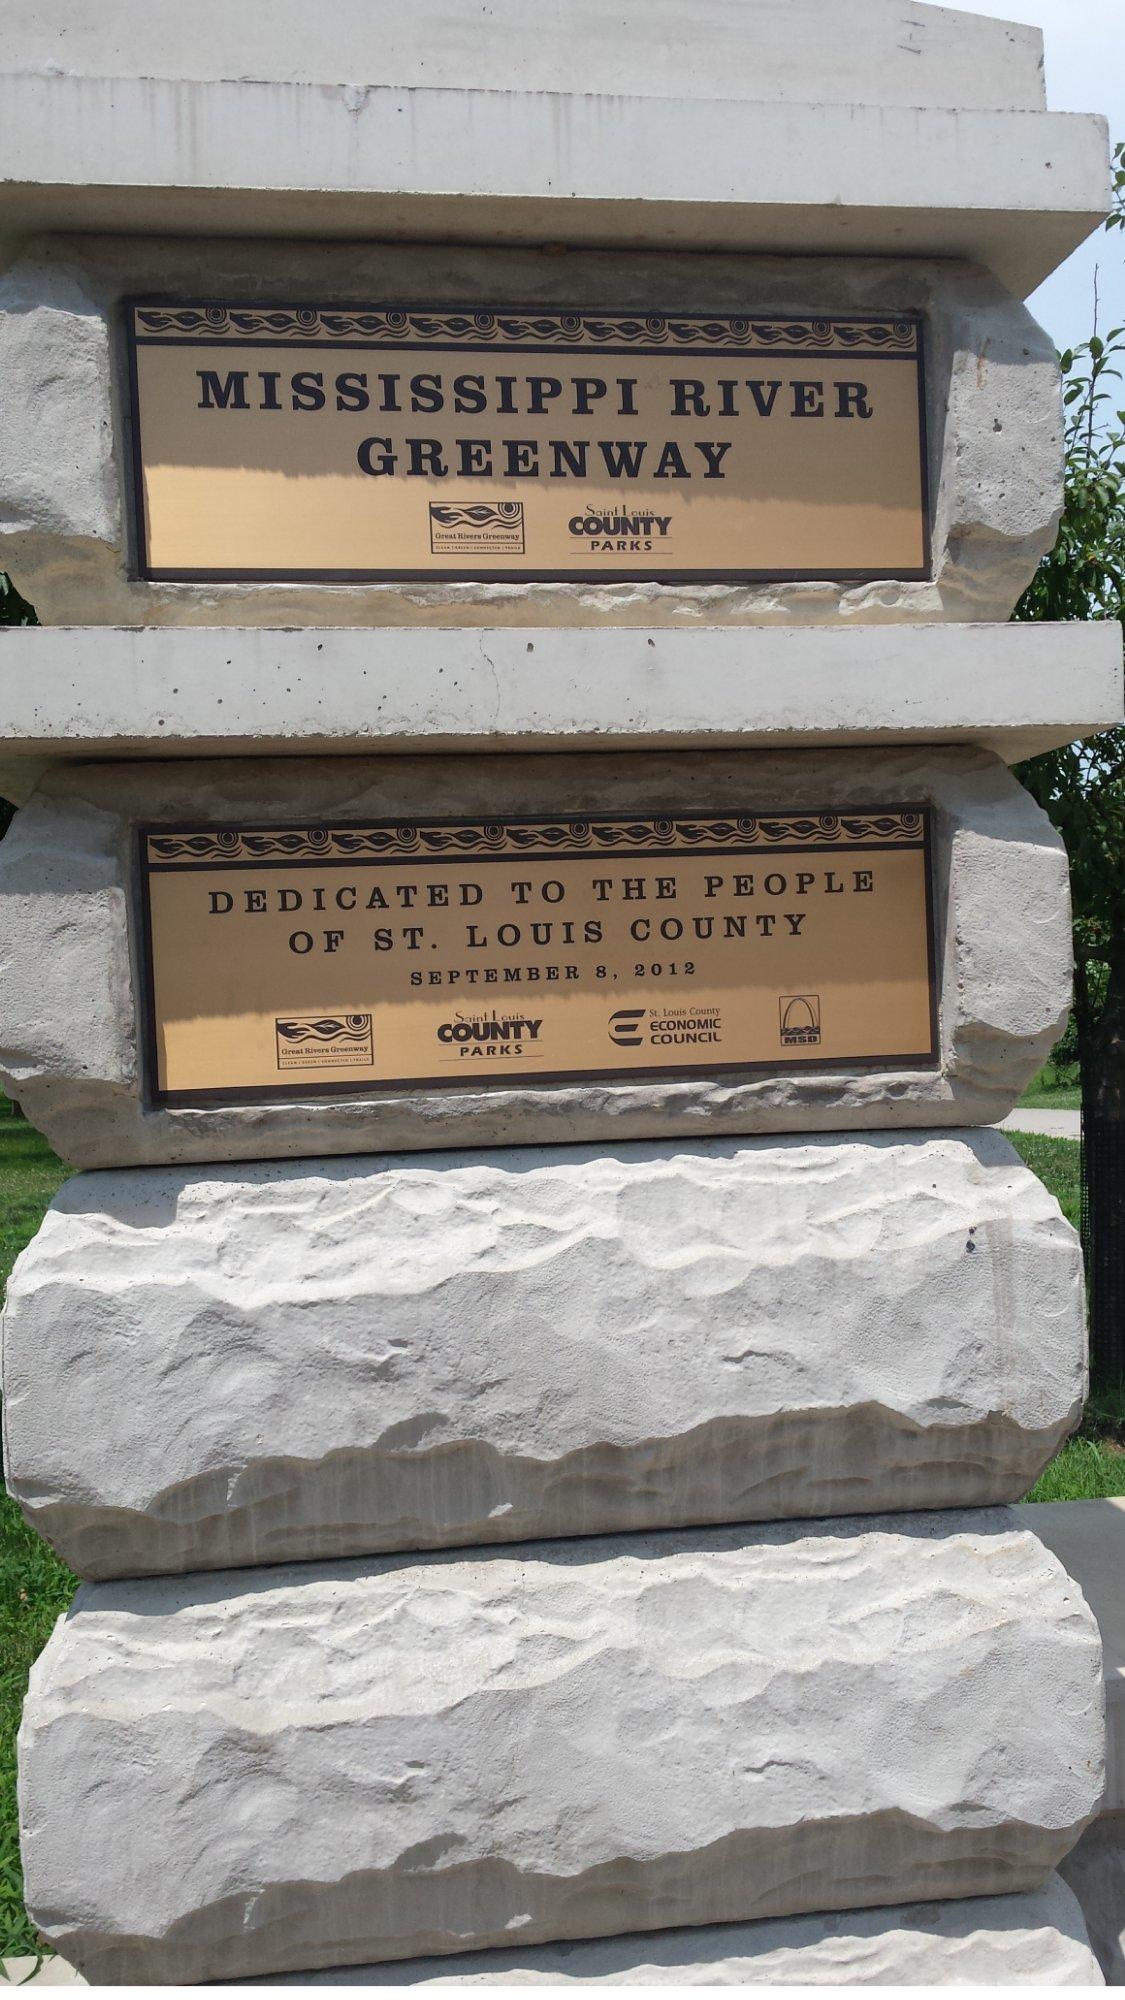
[
  {"x": 475, "y": 458},
  {"x": 542, "y": 389},
  {"x": 569, "y": 460},
  {"x": 588, "y": 390},
  {"x": 229, "y": 394},
  {"x": 425, "y": 456},
  {"x": 522, "y": 456},
  {"x": 469, "y": 397},
  {"x": 623, "y": 457},
  {"x": 689, "y": 398},
  {"x": 375, "y": 456},
  {"x": 764, "y": 395},
  {"x": 307, "y": 390},
  {"x": 351, "y": 392},
  {"x": 808, "y": 399},
  {"x": 426, "y": 394},
  {"x": 851, "y": 399},
  {"x": 714, "y": 455},
  {"x": 671, "y": 464}
]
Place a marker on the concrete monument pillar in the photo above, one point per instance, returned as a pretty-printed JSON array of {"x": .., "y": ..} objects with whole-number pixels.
[{"x": 520, "y": 911}]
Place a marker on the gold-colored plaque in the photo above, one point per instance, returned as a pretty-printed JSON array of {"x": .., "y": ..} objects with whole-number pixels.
[
  {"x": 355, "y": 443},
  {"x": 344, "y": 958}
]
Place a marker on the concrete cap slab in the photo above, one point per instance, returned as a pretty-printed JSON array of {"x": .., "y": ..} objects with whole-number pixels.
[
  {"x": 1015, "y": 190},
  {"x": 122, "y": 692},
  {"x": 822, "y": 51}
]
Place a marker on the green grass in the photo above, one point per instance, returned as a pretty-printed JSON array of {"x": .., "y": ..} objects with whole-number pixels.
[
  {"x": 34, "y": 1588},
  {"x": 1048, "y": 1091},
  {"x": 1085, "y": 1469},
  {"x": 29, "y": 1176},
  {"x": 1092, "y": 1465},
  {"x": 1056, "y": 1163},
  {"x": 34, "y": 1585}
]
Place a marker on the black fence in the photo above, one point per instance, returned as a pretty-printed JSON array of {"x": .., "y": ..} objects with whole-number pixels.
[{"x": 1103, "y": 1243}]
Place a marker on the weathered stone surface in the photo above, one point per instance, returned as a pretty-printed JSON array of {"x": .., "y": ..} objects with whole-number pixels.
[
  {"x": 275, "y": 1362},
  {"x": 993, "y": 422},
  {"x": 68, "y": 945},
  {"x": 260, "y": 1771},
  {"x": 1038, "y": 1939},
  {"x": 1095, "y": 1871}
]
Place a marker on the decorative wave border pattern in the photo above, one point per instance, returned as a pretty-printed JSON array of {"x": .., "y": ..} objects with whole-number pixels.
[
  {"x": 393, "y": 327},
  {"x": 740, "y": 833}
]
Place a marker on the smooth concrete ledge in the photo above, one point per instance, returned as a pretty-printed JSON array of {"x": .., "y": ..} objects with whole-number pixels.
[
  {"x": 113, "y": 692},
  {"x": 1088, "y": 1537},
  {"x": 1014, "y": 190}
]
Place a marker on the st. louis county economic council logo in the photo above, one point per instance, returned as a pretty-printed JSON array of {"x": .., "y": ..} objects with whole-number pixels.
[
  {"x": 660, "y": 1029},
  {"x": 624, "y": 1027}
]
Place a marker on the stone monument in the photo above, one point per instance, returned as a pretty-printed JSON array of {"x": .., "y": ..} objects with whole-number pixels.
[{"x": 519, "y": 897}]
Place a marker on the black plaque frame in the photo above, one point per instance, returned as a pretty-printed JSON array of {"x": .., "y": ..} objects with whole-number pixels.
[
  {"x": 599, "y": 825},
  {"x": 199, "y": 313}
]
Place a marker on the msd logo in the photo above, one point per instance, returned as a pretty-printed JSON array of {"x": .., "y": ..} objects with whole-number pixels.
[{"x": 800, "y": 1020}]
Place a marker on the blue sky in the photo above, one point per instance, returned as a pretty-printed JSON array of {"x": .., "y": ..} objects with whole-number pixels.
[{"x": 1084, "y": 45}]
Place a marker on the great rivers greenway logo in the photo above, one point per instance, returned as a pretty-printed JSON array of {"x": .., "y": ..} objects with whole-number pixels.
[
  {"x": 323, "y": 1041},
  {"x": 482, "y": 528}
]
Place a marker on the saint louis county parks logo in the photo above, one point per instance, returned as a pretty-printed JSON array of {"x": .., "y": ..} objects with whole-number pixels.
[
  {"x": 482, "y": 529},
  {"x": 324, "y": 1041},
  {"x": 800, "y": 1020}
]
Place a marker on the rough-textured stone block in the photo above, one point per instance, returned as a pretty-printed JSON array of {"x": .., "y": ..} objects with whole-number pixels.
[
  {"x": 267, "y": 1770},
  {"x": 274, "y": 1362},
  {"x": 993, "y": 421},
  {"x": 69, "y": 947},
  {"x": 1038, "y": 1939}
]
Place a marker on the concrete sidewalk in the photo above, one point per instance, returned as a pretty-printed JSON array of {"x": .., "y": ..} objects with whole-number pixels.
[{"x": 1052, "y": 1124}]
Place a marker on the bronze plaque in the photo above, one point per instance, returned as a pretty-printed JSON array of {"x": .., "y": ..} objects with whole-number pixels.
[
  {"x": 359, "y": 444},
  {"x": 294, "y": 960}
]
